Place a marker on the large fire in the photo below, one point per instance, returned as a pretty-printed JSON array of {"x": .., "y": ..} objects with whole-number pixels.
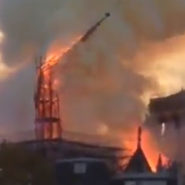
[
  {"x": 149, "y": 146},
  {"x": 56, "y": 52},
  {"x": 54, "y": 55},
  {"x": 46, "y": 98}
]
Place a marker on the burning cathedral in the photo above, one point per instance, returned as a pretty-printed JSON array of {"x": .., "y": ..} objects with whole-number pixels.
[
  {"x": 139, "y": 171},
  {"x": 50, "y": 142},
  {"x": 78, "y": 155}
]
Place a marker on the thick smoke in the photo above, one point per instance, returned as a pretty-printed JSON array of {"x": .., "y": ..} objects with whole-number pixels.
[{"x": 107, "y": 80}]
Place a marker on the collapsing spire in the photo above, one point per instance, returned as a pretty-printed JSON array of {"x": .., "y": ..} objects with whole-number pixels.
[
  {"x": 47, "y": 111},
  {"x": 93, "y": 28}
]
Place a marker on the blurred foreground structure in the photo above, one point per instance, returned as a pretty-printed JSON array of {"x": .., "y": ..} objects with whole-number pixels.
[
  {"x": 79, "y": 163},
  {"x": 59, "y": 149}
]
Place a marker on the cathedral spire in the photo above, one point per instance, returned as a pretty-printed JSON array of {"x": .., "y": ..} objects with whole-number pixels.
[
  {"x": 138, "y": 162},
  {"x": 139, "y": 137},
  {"x": 159, "y": 164}
]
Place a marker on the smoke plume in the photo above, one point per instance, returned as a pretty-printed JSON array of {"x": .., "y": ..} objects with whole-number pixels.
[{"x": 107, "y": 82}]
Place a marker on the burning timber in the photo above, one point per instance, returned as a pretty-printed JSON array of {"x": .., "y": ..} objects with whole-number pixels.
[
  {"x": 52, "y": 145},
  {"x": 79, "y": 157},
  {"x": 48, "y": 123}
]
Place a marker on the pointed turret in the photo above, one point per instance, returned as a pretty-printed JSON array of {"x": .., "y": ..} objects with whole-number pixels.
[
  {"x": 139, "y": 137},
  {"x": 159, "y": 164},
  {"x": 138, "y": 162}
]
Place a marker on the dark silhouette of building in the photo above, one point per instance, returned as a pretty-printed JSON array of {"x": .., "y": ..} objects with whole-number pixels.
[
  {"x": 138, "y": 171},
  {"x": 82, "y": 171},
  {"x": 138, "y": 163},
  {"x": 167, "y": 110}
]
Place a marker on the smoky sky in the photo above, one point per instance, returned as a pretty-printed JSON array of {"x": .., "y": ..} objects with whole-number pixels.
[{"x": 107, "y": 80}]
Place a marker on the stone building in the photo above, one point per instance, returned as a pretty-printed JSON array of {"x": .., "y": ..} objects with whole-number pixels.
[{"x": 167, "y": 110}]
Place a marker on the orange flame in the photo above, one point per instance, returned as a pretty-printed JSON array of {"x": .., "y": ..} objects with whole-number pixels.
[
  {"x": 149, "y": 146},
  {"x": 56, "y": 52}
]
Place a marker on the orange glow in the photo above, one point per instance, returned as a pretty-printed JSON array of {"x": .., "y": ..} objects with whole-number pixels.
[
  {"x": 149, "y": 146},
  {"x": 56, "y": 52},
  {"x": 46, "y": 90}
]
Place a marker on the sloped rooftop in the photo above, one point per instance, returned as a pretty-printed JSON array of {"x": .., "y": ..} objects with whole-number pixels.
[{"x": 138, "y": 162}]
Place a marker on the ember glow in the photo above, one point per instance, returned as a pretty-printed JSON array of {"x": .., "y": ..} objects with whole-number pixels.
[
  {"x": 138, "y": 53},
  {"x": 149, "y": 146},
  {"x": 46, "y": 97},
  {"x": 56, "y": 52}
]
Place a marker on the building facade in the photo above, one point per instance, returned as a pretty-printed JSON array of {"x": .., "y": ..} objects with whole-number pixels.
[{"x": 169, "y": 110}]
